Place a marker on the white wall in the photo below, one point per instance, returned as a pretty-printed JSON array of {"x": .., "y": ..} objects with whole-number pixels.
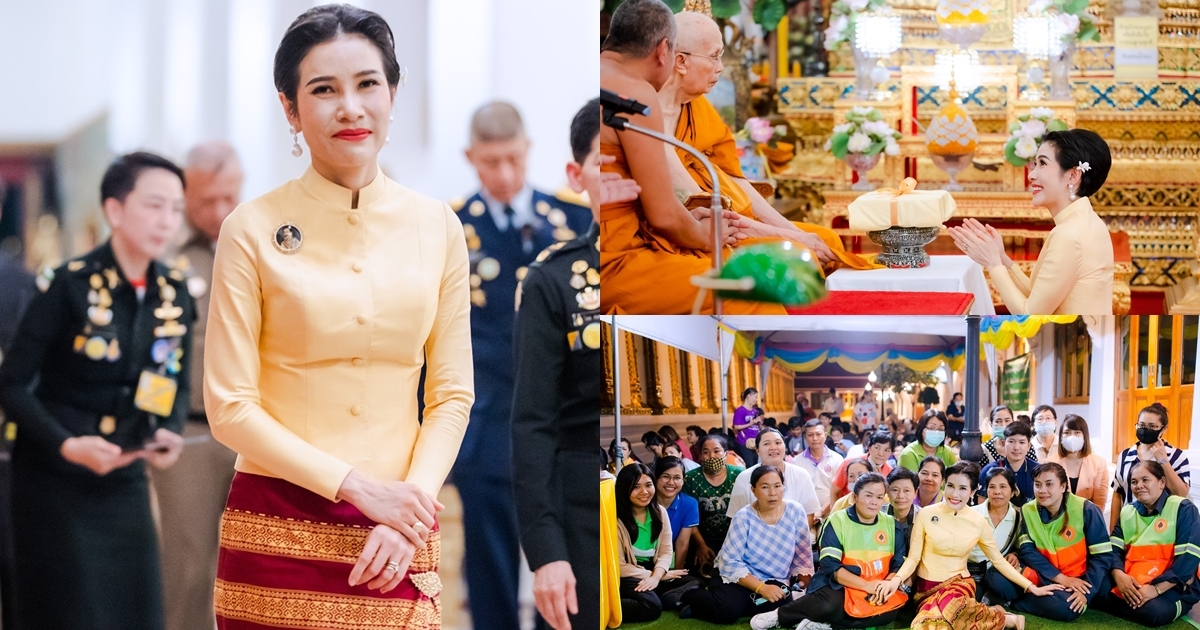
[{"x": 172, "y": 72}]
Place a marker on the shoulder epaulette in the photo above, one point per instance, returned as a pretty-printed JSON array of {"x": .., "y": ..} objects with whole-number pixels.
[{"x": 566, "y": 195}]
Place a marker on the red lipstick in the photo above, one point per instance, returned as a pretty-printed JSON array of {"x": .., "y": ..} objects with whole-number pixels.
[{"x": 353, "y": 135}]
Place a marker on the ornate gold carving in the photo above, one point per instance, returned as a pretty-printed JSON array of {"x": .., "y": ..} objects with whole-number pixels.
[
  {"x": 653, "y": 376},
  {"x": 606, "y": 396},
  {"x": 677, "y": 406},
  {"x": 635, "y": 406}
]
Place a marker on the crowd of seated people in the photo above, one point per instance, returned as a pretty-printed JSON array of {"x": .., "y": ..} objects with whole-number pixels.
[{"x": 811, "y": 537}]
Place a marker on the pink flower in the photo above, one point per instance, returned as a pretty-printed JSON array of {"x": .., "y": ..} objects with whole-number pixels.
[{"x": 760, "y": 130}]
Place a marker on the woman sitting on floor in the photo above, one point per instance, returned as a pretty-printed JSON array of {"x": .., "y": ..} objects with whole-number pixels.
[
  {"x": 1063, "y": 541},
  {"x": 860, "y": 548},
  {"x": 942, "y": 537},
  {"x": 1004, "y": 518},
  {"x": 1157, "y": 552},
  {"x": 767, "y": 551},
  {"x": 644, "y": 536}
]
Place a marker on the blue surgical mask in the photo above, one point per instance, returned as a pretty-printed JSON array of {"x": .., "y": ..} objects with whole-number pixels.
[
  {"x": 998, "y": 432},
  {"x": 934, "y": 438}
]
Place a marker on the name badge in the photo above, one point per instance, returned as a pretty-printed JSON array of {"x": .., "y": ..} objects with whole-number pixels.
[{"x": 155, "y": 393}]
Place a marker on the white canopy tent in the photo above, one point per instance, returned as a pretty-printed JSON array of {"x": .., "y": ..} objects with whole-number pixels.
[{"x": 703, "y": 336}]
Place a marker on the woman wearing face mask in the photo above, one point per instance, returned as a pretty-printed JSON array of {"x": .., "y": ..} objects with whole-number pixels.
[
  {"x": 942, "y": 537},
  {"x": 1151, "y": 447},
  {"x": 993, "y": 450},
  {"x": 860, "y": 548},
  {"x": 1156, "y": 559},
  {"x": 931, "y": 441},
  {"x": 1074, "y": 270},
  {"x": 1063, "y": 541},
  {"x": 1087, "y": 472},
  {"x": 644, "y": 537},
  {"x": 1004, "y": 518},
  {"x": 930, "y": 473},
  {"x": 711, "y": 485},
  {"x": 1045, "y": 440},
  {"x": 768, "y": 550}
]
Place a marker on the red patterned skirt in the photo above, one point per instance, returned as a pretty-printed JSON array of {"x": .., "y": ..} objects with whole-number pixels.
[
  {"x": 951, "y": 604},
  {"x": 285, "y": 561}
]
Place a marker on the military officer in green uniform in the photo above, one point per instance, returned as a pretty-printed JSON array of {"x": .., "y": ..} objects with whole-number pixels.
[
  {"x": 556, "y": 400},
  {"x": 97, "y": 384}
]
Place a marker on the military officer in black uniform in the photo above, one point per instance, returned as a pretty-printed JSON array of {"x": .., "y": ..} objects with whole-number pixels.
[
  {"x": 507, "y": 223},
  {"x": 97, "y": 384},
  {"x": 556, "y": 407}
]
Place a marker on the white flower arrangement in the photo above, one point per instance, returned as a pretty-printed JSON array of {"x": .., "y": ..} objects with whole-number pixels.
[
  {"x": 842, "y": 17},
  {"x": 864, "y": 132},
  {"x": 1071, "y": 19},
  {"x": 1027, "y": 133}
]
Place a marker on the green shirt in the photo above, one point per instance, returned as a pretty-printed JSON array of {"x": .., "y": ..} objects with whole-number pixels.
[
  {"x": 912, "y": 455},
  {"x": 643, "y": 547},
  {"x": 714, "y": 501}
]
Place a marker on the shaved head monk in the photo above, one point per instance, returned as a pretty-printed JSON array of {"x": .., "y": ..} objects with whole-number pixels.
[
  {"x": 652, "y": 246},
  {"x": 695, "y": 69}
]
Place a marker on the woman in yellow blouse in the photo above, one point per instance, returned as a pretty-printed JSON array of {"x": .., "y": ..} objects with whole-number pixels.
[
  {"x": 1074, "y": 270},
  {"x": 942, "y": 537},
  {"x": 329, "y": 295}
]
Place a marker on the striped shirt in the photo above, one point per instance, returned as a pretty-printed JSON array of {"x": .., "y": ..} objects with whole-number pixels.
[{"x": 1128, "y": 457}]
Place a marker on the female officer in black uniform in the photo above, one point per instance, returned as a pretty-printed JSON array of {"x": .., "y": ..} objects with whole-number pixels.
[{"x": 96, "y": 383}]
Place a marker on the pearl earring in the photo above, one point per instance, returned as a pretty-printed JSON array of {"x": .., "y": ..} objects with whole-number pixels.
[
  {"x": 297, "y": 150},
  {"x": 1071, "y": 189}
]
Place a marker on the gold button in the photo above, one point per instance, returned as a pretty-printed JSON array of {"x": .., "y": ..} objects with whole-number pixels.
[
  {"x": 360, "y": 319},
  {"x": 353, "y": 219},
  {"x": 356, "y": 267},
  {"x": 356, "y": 410},
  {"x": 356, "y": 361}
]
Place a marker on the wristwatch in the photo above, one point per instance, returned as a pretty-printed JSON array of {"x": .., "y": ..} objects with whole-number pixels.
[{"x": 906, "y": 589}]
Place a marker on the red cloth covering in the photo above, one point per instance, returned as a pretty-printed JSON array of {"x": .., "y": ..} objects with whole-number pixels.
[
  {"x": 890, "y": 302},
  {"x": 285, "y": 561}
]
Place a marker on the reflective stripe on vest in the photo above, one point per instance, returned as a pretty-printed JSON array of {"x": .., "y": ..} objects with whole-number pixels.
[
  {"x": 870, "y": 548},
  {"x": 1149, "y": 541},
  {"x": 1062, "y": 542}
]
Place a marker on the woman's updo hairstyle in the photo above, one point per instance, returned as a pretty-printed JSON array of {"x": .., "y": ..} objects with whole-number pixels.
[
  {"x": 1080, "y": 145},
  {"x": 325, "y": 23}
]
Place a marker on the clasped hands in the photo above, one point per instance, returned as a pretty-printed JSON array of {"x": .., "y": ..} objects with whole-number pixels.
[
  {"x": 981, "y": 243},
  {"x": 102, "y": 457},
  {"x": 405, "y": 516},
  {"x": 1133, "y": 592}
]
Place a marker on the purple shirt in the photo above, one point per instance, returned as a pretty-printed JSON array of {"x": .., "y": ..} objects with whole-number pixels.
[{"x": 741, "y": 415}]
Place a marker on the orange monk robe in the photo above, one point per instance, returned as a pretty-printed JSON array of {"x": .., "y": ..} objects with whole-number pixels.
[
  {"x": 643, "y": 273},
  {"x": 701, "y": 127}
]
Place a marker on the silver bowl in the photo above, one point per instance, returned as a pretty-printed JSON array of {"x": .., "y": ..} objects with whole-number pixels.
[{"x": 904, "y": 247}]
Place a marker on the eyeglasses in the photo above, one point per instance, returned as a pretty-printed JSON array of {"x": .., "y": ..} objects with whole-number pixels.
[{"x": 713, "y": 58}]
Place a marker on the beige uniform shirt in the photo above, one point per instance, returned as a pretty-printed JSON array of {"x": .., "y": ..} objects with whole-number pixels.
[
  {"x": 1073, "y": 274},
  {"x": 199, "y": 253},
  {"x": 313, "y": 357}
]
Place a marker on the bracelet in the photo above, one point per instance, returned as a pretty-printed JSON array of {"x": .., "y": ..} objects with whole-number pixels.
[{"x": 759, "y": 587}]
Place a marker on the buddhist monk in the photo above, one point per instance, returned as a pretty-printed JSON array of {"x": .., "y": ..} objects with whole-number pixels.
[
  {"x": 651, "y": 247},
  {"x": 695, "y": 69}
]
